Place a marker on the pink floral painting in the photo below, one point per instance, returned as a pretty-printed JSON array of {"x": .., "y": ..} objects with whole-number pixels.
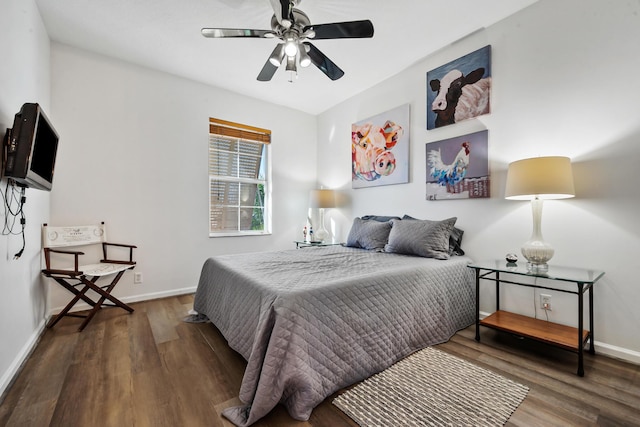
[{"x": 380, "y": 149}]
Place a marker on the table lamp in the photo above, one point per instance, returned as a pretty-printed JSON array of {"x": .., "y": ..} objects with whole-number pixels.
[
  {"x": 537, "y": 179},
  {"x": 322, "y": 199}
]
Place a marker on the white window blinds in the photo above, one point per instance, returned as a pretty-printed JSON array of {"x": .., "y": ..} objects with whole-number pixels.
[{"x": 238, "y": 179}]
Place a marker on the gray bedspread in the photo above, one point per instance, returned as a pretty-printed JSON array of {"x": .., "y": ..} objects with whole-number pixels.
[{"x": 312, "y": 321}]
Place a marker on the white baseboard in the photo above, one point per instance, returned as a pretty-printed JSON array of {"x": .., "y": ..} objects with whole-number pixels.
[
  {"x": 24, "y": 353},
  {"x": 135, "y": 298},
  {"x": 603, "y": 348},
  {"x": 625, "y": 354}
]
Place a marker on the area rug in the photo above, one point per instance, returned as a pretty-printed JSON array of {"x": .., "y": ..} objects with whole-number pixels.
[{"x": 432, "y": 388}]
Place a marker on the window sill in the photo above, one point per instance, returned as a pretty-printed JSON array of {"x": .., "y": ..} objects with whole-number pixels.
[{"x": 240, "y": 234}]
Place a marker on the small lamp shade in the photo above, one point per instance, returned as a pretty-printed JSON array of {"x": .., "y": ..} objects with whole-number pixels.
[
  {"x": 540, "y": 177},
  {"x": 322, "y": 199}
]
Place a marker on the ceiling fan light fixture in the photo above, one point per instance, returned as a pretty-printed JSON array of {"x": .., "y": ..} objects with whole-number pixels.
[
  {"x": 291, "y": 63},
  {"x": 293, "y": 30},
  {"x": 291, "y": 48},
  {"x": 305, "y": 59},
  {"x": 278, "y": 55},
  {"x": 291, "y": 68}
]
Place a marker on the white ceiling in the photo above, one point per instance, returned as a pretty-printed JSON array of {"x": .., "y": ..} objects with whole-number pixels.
[{"x": 165, "y": 35}]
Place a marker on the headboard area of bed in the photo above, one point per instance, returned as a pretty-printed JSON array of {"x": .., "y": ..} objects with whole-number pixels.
[{"x": 407, "y": 235}]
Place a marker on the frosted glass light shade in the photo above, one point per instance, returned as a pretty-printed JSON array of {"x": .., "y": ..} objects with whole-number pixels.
[
  {"x": 277, "y": 55},
  {"x": 537, "y": 179},
  {"x": 305, "y": 59},
  {"x": 291, "y": 48}
]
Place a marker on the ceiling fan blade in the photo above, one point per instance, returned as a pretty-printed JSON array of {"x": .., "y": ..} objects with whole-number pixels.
[
  {"x": 235, "y": 32},
  {"x": 342, "y": 30},
  {"x": 325, "y": 65},
  {"x": 269, "y": 69}
]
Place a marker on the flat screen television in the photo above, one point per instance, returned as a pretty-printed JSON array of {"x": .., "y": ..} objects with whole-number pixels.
[{"x": 31, "y": 149}]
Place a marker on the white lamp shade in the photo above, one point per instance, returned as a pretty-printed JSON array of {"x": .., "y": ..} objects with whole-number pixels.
[
  {"x": 540, "y": 177},
  {"x": 322, "y": 199}
]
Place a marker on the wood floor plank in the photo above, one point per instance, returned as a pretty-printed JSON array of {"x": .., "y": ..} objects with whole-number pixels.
[
  {"x": 74, "y": 407},
  {"x": 143, "y": 351},
  {"x": 189, "y": 360},
  {"x": 150, "y": 368},
  {"x": 162, "y": 322},
  {"x": 153, "y": 400},
  {"x": 48, "y": 366},
  {"x": 232, "y": 362}
]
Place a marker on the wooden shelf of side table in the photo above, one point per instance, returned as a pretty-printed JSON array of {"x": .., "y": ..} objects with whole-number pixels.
[{"x": 548, "y": 332}]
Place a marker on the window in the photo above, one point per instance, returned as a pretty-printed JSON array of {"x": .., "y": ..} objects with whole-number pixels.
[{"x": 239, "y": 179}]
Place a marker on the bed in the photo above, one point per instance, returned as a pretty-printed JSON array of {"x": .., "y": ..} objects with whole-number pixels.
[{"x": 312, "y": 321}]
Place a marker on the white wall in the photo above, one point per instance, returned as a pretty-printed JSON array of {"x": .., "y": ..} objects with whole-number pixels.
[
  {"x": 24, "y": 77},
  {"x": 134, "y": 153},
  {"x": 563, "y": 84}
]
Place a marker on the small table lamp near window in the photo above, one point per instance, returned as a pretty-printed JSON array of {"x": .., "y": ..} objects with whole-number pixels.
[
  {"x": 322, "y": 199},
  {"x": 537, "y": 179}
]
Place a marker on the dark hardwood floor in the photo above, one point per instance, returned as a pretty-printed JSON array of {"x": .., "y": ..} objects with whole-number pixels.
[{"x": 150, "y": 368}]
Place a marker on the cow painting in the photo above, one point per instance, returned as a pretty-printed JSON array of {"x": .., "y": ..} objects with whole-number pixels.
[{"x": 459, "y": 90}]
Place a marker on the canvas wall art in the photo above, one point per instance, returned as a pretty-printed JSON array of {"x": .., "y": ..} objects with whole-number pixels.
[
  {"x": 458, "y": 168},
  {"x": 460, "y": 89},
  {"x": 380, "y": 149}
]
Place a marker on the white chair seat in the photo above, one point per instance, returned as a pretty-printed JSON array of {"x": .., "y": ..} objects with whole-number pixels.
[{"x": 103, "y": 269}]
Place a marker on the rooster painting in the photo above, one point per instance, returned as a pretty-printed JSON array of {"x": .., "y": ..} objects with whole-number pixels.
[
  {"x": 458, "y": 167},
  {"x": 453, "y": 173}
]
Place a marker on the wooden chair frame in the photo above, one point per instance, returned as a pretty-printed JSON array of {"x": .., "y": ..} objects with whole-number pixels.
[{"x": 85, "y": 280}]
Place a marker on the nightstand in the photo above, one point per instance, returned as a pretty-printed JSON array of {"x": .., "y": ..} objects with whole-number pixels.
[
  {"x": 303, "y": 244},
  {"x": 565, "y": 337}
]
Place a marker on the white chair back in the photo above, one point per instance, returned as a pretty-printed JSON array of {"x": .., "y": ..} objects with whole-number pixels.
[{"x": 57, "y": 237}]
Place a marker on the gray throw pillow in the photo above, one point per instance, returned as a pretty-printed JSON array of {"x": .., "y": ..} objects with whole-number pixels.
[
  {"x": 368, "y": 234},
  {"x": 455, "y": 240},
  {"x": 425, "y": 238}
]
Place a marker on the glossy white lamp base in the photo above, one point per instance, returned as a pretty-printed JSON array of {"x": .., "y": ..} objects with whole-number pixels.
[
  {"x": 321, "y": 233},
  {"x": 536, "y": 250}
]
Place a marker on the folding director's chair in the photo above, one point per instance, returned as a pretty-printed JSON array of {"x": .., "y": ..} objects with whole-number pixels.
[{"x": 86, "y": 276}]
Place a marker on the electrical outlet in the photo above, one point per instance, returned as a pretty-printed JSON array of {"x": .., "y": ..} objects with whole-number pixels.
[
  {"x": 545, "y": 302},
  {"x": 137, "y": 278}
]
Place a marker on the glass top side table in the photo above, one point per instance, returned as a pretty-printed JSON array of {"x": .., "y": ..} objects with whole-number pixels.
[
  {"x": 303, "y": 244},
  {"x": 566, "y": 337}
]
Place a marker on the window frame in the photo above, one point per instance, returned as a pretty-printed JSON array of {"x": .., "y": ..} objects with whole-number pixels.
[{"x": 248, "y": 134}]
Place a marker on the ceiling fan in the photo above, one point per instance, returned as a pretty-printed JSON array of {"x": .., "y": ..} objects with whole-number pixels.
[{"x": 293, "y": 28}]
